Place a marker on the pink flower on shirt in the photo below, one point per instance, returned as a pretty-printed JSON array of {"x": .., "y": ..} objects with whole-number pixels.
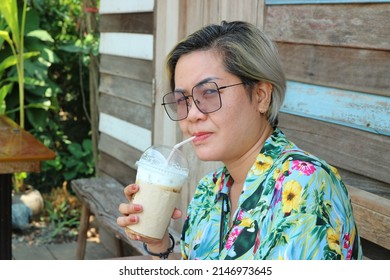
[
  {"x": 232, "y": 237},
  {"x": 304, "y": 167}
]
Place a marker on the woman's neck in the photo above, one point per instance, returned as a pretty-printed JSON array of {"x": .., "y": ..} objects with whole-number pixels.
[{"x": 239, "y": 167}]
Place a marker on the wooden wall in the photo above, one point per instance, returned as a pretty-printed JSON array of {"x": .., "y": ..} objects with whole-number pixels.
[
  {"x": 337, "y": 60},
  {"x": 126, "y": 85},
  {"x": 336, "y": 55}
]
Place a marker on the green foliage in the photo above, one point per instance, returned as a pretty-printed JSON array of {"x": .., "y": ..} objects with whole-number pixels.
[
  {"x": 61, "y": 217},
  {"x": 81, "y": 162},
  {"x": 27, "y": 41},
  {"x": 56, "y": 85}
]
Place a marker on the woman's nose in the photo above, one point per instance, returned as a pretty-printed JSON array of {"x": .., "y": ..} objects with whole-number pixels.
[{"x": 193, "y": 111}]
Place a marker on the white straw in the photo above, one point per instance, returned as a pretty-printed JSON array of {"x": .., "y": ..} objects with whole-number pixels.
[{"x": 178, "y": 145}]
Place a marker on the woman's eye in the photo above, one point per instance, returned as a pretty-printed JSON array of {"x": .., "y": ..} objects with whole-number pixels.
[
  {"x": 209, "y": 92},
  {"x": 181, "y": 100}
]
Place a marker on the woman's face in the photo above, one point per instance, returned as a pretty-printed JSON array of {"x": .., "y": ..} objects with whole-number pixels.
[{"x": 227, "y": 134}]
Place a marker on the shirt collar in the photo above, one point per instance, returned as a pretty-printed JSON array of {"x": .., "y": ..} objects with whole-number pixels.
[{"x": 271, "y": 150}]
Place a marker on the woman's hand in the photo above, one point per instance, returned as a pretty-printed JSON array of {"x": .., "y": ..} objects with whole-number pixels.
[{"x": 130, "y": 217}]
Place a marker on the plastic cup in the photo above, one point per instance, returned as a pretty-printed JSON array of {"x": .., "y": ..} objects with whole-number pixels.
[{"x": 160, "y": 184}]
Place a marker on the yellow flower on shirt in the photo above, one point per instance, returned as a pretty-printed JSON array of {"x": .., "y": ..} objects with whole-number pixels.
[
  {"x": 262, "y": 164},
  {"x": 291, "y": 196},
  {"x": 333, "y": 240}
]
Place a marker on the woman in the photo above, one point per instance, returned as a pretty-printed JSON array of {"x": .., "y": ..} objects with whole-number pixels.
[{"x": 270, "y": 200}]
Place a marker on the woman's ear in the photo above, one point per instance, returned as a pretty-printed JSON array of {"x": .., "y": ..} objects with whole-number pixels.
[{"x": 263, "y": 95}]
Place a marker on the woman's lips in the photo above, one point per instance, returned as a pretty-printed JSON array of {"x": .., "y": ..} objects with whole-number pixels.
[{"x": 201, "y": 136}]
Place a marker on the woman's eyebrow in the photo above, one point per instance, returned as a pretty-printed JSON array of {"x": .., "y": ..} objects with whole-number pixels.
[{"x": 205, "y": 80}]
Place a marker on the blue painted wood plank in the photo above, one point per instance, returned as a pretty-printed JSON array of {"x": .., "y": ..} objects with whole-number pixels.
[
  {"x": 349, "y": 108},
  {"x": 295, "y": 2}
]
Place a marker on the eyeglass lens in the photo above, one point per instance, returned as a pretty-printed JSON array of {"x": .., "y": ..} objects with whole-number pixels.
[{"x": 205, "y": 96}]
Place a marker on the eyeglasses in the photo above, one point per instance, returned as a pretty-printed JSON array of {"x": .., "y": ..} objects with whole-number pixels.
[{"x": 205, "y": 96}]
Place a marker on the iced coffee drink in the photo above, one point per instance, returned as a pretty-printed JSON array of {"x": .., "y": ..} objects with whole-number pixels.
[{"x": 161, "y": 173}]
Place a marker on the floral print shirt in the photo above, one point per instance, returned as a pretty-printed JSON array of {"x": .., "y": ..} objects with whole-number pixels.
[{"x": 293, "y": 206}]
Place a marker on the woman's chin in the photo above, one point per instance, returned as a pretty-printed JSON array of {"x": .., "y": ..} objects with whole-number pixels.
[{"x": 205, "y": 154}]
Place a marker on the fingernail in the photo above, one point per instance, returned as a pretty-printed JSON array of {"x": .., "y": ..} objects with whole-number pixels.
[
  {"x": 134, "y": 187},
  {"x": 137, "y": 208},
  {"x": 133, "y": 219}
]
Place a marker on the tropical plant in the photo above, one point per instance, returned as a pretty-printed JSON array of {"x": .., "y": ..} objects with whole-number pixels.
[
  {"x": 74, "y": 48},
  {"x": 9, "y": 11},
  {"x": 13, "y": 32}
]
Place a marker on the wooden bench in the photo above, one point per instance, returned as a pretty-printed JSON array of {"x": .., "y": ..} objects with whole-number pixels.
[{"x": 101, "y": 197}]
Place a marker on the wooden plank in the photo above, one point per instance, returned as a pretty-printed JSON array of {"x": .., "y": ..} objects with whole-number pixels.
[
  {"x": 122, "y": 152},
  {"x": 248, "y": 10},
  {"x": 136, "y": 114},
  {"x": 141, "y": 23},
  {"x": 102, "y": 196},
  {"x": 351, "y": 149},
  {"x": 198, "y": 13},
  {"x": 295, "y": 2},
  {"x": 128, "y": 6},
  {"x": 358, "y": 110},
  {"x": 127, "y": 89},
  {"x": 127, "y": 67},
  {"x": 346, "y": 68},
  {"x": 372, "y": 214},
  {"x": 191, "y": 16},
  {"x": 13, "y": 167},
  {"x": 127, "y": 45},
  {"x": 364, "y": 183},
  {"x": 346, "y": 25},
  {"x": 116, "y": 169},
  {"x": 167, "y": 35},
  {"x": 129, "y": 133}
]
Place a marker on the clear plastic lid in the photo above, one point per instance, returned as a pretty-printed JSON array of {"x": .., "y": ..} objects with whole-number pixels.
[{"x": 157, "y": 157}]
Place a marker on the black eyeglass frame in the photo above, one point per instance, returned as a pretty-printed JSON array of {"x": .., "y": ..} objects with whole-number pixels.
[{"x": 186, "y": 97}]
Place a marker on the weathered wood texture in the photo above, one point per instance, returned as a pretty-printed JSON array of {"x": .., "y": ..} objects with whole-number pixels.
[
  {"x": 138, "y": 23},
  {"x": 126, "y": 86},
  {"x": 364, "y": 183},
  {"x": 127, "y": 44},
  {"x": 128, "y": 89},
  {"x": 132, "y": 68},
  {"x": 197, "y": 13},
  {"x": 123, "y": 109},
  {"x": 119, "y": 150},
  {"x": 116, "y": 169},
  {"x": 354, "y": 150},
  {"x": 363, "y": 70},
  {"x": 358, "y": 110},
  {"x": 344, "y": 25},
  {"x": 372, "y": 214},
  {"x": 102, "y": 196},
  {"x": 123, "y": 7},
  {"x": 166, "y": 36}
]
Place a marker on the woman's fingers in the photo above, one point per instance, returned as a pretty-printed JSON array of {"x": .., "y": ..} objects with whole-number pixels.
[
  {"x": 130, "y": 191},
  {"x": 129, "y": 208},
  {"x": 129, "y": 211},
  {"x": 125, "y": 221},
  {"x": 177, "y": 214}
]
